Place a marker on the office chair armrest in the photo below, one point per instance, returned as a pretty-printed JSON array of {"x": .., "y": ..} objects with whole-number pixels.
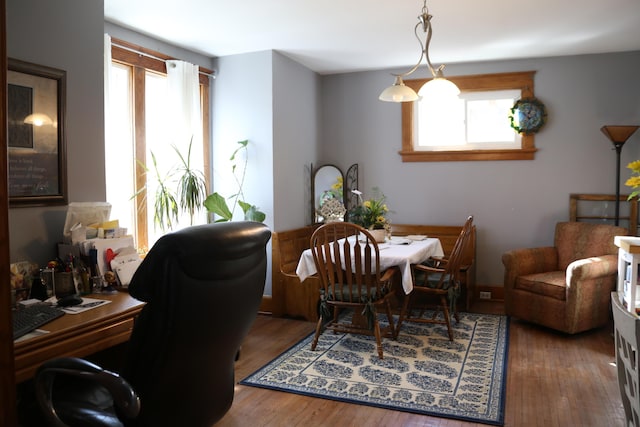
[{"x": 124, "y": 397}]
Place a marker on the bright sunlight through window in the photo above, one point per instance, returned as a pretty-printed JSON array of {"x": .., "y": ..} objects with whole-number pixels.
[{"x": 476, "y": 120}]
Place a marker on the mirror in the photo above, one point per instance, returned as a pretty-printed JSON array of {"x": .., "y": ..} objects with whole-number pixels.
[{"x": 328, "y": 184}]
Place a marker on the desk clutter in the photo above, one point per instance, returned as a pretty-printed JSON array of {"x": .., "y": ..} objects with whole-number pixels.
[
  {"x": 30, "y": 317},
  {"x": 94, "y": 256},
  {"x": 31, "y": 314}
]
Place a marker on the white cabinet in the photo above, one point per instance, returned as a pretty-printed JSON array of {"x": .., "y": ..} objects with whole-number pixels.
[{"x": 628, "y": 264}]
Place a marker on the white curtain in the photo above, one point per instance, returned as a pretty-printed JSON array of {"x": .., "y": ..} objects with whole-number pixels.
[
  {"x": 185, "y": 125},
  {"x": 184, "y": 107}
]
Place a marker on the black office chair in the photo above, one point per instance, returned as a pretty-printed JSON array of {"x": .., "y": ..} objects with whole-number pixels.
[{"x": 202, "y": 286}]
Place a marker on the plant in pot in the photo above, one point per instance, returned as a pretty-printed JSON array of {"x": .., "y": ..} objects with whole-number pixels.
[
  {"x": 371, "y": 213},
  {"x": 217, "y": 204},
  {"x": 188, "y": 196}
]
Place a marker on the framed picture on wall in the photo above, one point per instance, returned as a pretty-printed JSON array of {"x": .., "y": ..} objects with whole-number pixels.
[{"x": 36, "y": 135}]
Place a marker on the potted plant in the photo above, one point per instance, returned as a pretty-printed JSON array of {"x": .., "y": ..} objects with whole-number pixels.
[
  {"x": 188, "y": 196},
  {"x": 217, "y": 204},
  {"x": 371, "y": 214}
]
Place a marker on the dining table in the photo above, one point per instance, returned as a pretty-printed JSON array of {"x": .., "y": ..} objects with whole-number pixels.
[{"x": 397, "y": 251}]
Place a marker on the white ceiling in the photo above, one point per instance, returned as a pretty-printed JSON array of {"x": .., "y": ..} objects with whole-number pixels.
[{"x": 334, "y": 36}]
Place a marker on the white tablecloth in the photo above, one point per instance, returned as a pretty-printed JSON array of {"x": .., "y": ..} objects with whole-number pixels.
[{"x": 390, "y": 255}]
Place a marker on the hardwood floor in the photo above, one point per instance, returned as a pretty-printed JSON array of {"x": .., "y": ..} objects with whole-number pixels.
[{"x": 553, "y": 380}]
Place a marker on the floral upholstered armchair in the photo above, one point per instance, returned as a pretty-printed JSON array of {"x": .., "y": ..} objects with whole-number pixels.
[{"x": 567, "y": 286}]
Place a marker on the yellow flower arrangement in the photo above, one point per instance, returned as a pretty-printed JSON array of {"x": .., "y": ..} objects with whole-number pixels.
[
  {"x": 370, "y": 214},
  {"x": 634, "y": 180}
]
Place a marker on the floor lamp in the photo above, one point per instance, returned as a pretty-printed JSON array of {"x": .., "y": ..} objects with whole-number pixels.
[{"x": 618, "y": 136}]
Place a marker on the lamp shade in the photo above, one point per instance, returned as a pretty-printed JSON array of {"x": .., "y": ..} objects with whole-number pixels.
[
  {"x": 398, "y": 92},
  {"x": 618, "y": 134},
  {"x": 439, "y": 87}
]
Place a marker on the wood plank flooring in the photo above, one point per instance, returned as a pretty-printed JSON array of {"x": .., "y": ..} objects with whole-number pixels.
[{"x": 553, "y": 380}]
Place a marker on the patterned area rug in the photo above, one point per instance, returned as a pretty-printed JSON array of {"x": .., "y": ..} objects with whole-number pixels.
[{"x": 423, "y": 372}]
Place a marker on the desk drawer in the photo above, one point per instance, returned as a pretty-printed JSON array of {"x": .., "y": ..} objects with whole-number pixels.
[{"x": 80, "y": 344}]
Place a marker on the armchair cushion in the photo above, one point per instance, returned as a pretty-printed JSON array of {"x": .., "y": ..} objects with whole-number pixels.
[{"x": 551, "y": 284}]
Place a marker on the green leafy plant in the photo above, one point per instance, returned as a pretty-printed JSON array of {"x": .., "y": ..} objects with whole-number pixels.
[
  {"x": 188, "y": 196},
  {"x": 191, "y": 185},
  {"x": 165, "y": 206},
  {"x": 217, "y": 204}
]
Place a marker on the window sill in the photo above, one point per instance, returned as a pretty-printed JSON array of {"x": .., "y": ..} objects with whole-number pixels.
[{"x": 473, "y": 155}]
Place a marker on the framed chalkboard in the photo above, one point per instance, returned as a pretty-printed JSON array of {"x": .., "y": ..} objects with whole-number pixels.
[{"x": 36, "y": 134}]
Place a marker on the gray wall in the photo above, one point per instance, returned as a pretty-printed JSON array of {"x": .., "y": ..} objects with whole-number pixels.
[
  {"x": 272, "y": 101},
  {"x": 295, "y": 118},
  {"x": 242, "y": 108},
  {"x": 296, "y": 140},
  {"x": 515, "y": 203},
  {"x": 56, "y": 37}
]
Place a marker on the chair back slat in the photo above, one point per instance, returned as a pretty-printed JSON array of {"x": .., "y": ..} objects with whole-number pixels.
[{"x": 347, "y": 261}]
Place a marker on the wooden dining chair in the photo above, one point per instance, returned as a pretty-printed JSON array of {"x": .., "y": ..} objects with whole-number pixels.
[
  {"x": 347, "y": 260},
  {"x": 437, "y": 279}
]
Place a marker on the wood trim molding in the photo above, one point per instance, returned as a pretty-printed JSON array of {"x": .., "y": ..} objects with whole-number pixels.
[{"x": 136, "y": 55}]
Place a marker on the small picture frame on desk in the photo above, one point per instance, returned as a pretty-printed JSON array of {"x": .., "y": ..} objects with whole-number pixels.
[{"x": 36, "y": 134}]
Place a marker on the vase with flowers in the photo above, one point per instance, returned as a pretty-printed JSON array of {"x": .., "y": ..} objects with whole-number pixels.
[{"x": 371, "y": 213}]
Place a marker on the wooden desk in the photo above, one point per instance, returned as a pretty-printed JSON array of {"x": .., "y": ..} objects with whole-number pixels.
[{"x": 79, "y": 335}]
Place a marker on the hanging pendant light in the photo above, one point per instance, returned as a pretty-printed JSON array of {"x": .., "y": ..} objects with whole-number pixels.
[{"x": 438, "y": 86}]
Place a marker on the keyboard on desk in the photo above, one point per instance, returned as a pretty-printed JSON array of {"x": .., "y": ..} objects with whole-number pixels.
[{"x": 31, "y": 317}]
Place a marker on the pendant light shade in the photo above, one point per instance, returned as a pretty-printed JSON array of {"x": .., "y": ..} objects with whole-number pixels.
[
  {"x": 438, "y": 86},
  {"x": 398, "y": 92}
]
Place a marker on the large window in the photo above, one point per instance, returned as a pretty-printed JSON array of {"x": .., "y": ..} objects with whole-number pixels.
[
  {"x": 473, "y": 121},
  {"x": 139, "y": 129},
  {"x": 474, "y": 127}
]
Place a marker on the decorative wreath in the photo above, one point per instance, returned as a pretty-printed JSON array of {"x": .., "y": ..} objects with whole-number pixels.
[{"x": 528, "y": 115}]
